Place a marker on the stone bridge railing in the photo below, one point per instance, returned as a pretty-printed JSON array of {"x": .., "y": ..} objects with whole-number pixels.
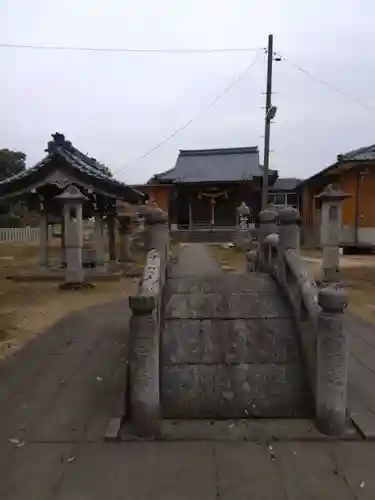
[
  {"x": 144, "y": 329},
  {"x": 318, "y": 311}
]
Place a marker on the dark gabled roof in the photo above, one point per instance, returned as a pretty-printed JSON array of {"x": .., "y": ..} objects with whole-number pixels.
[
  {"x": 356, "y": 155},
  {"x": 286, "y": 184},
  {"x": 213, "y": 165},
  {"x": 80, "y": 165},
  {"x": 361, "y": 154}
]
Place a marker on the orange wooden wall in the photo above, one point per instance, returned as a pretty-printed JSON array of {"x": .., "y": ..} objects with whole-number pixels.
[
  {"x": 367, "y": 199},
  {"x": 158, "y": 195},
  {"x": 348, "y": 182}
]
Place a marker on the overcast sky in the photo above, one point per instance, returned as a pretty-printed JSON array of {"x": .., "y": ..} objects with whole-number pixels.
[{"x": 116, "y": 106}]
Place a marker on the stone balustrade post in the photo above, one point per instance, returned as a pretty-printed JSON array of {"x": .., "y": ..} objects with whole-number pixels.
[
  {"x": 289, "y": 231},
  {"x": 251, "y": 260},
  {"x": 289, "y": 236},
  {"x": 144, "y": 366},
  {"x": 331, "y": 198},
  {"x": 332, "y": 362},
  {"x": 157, "y": 232},
  {"x": 125, "y": 238},
  {"x": 267, "y": 226}
]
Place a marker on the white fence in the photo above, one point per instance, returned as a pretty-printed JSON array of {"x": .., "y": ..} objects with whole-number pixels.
[{"x": 20, "y": 234}]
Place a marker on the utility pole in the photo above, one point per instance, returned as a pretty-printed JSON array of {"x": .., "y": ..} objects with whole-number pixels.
[{"x": 268, "y": 117}]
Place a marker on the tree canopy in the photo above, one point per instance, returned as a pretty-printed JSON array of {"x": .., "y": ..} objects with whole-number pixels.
[{"x": 11, "y": 163}]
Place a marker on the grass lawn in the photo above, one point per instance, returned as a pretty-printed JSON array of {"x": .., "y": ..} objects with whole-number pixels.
[{"x": 27, "y": 309}]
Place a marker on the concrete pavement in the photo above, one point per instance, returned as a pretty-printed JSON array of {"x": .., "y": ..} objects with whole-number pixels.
[{"x": 199, "y": 471}]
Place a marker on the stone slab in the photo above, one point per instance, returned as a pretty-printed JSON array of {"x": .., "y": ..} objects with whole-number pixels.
[
  {"x": 360, "y": 414},
  {"x": 230, "y": 341},
  {"x": 233, "y": 391},
  {"x": 144, "y": 471},
  {"x": 228, "y": 283},
  {"x": 355, "y": 464},
  {"x": 256, "y": 430},
  {"x": 112, "y": 432},
  {"x": 231, "y": 305},
  {"x": 34, "y": 471},
  {"x": 310, "y": 472},
  {"x": 245, "y": 471}
]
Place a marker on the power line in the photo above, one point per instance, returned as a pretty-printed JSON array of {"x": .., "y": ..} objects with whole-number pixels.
[
  {"x": 189, "y": 122},
  {"x": 130, "y": 50},
  {"x": 329, "y": 85}
]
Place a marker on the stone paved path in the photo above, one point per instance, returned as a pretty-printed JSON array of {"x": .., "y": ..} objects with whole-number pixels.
[
  {"x": 58, "y": 394},
  {"x": 195, "y": 259}
]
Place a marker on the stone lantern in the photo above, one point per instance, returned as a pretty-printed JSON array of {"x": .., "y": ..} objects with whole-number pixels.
[
  {"x": 243, "y": 236},
  {"x": 332, "y": 198},
  {"x": 72, "y": 200},
  {"x": 243, "y": 213}
]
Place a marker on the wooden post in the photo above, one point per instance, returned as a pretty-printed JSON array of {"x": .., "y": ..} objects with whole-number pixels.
[
  {"x": 212, "y": 212},
  {"x": 190, "y": 215},
  {"x": 111, "y": 238},
  {"x": 43, "y": 239}
]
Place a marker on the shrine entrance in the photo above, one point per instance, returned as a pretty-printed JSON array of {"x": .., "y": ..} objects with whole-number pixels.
[{"x": 210, "y": 207}]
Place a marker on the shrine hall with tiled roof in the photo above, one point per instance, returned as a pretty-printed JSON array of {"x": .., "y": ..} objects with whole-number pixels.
[{"x": 62, "y": 156}]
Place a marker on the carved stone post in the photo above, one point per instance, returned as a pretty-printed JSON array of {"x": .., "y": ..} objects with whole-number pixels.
[
  {"x": 251, "y": 261},
  {"x": 332, "y": 361},
  {"x": 73, "y": 199},
  {"x": 125, "y": 238},
  {"x": 289, "y": 236},
  {"x": 157, "y": 232},
  {"x": 267, "y": 225},
  {"x": 99, "y": 243},
  {"x": 332, "y": 198},
  {"x": 144, "y": 366},
  {"x": 288, "y": 228},
  {"x": 144, "y": 349}
]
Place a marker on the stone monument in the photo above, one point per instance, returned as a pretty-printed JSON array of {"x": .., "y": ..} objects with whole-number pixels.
[
  {"x": 72, "y": 200},
  {"x": 332, "y": 198}
]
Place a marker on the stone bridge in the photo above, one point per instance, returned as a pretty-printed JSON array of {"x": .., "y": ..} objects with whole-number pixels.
[{"x": 266, "y": 344}]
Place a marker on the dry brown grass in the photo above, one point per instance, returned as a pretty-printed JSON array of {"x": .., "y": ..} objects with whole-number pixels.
[
  {"x": 230, "y": 259},
  {"x": 26, "y": 309},
  {"x": 358, "y": 275}
]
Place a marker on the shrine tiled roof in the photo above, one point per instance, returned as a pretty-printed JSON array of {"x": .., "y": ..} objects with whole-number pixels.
[
  {"x": 214, "y": 165},
  {"x": 361, "y": 154},
  {"x": 63, "y": 152},
  {"x": 286, "y": 184}
]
